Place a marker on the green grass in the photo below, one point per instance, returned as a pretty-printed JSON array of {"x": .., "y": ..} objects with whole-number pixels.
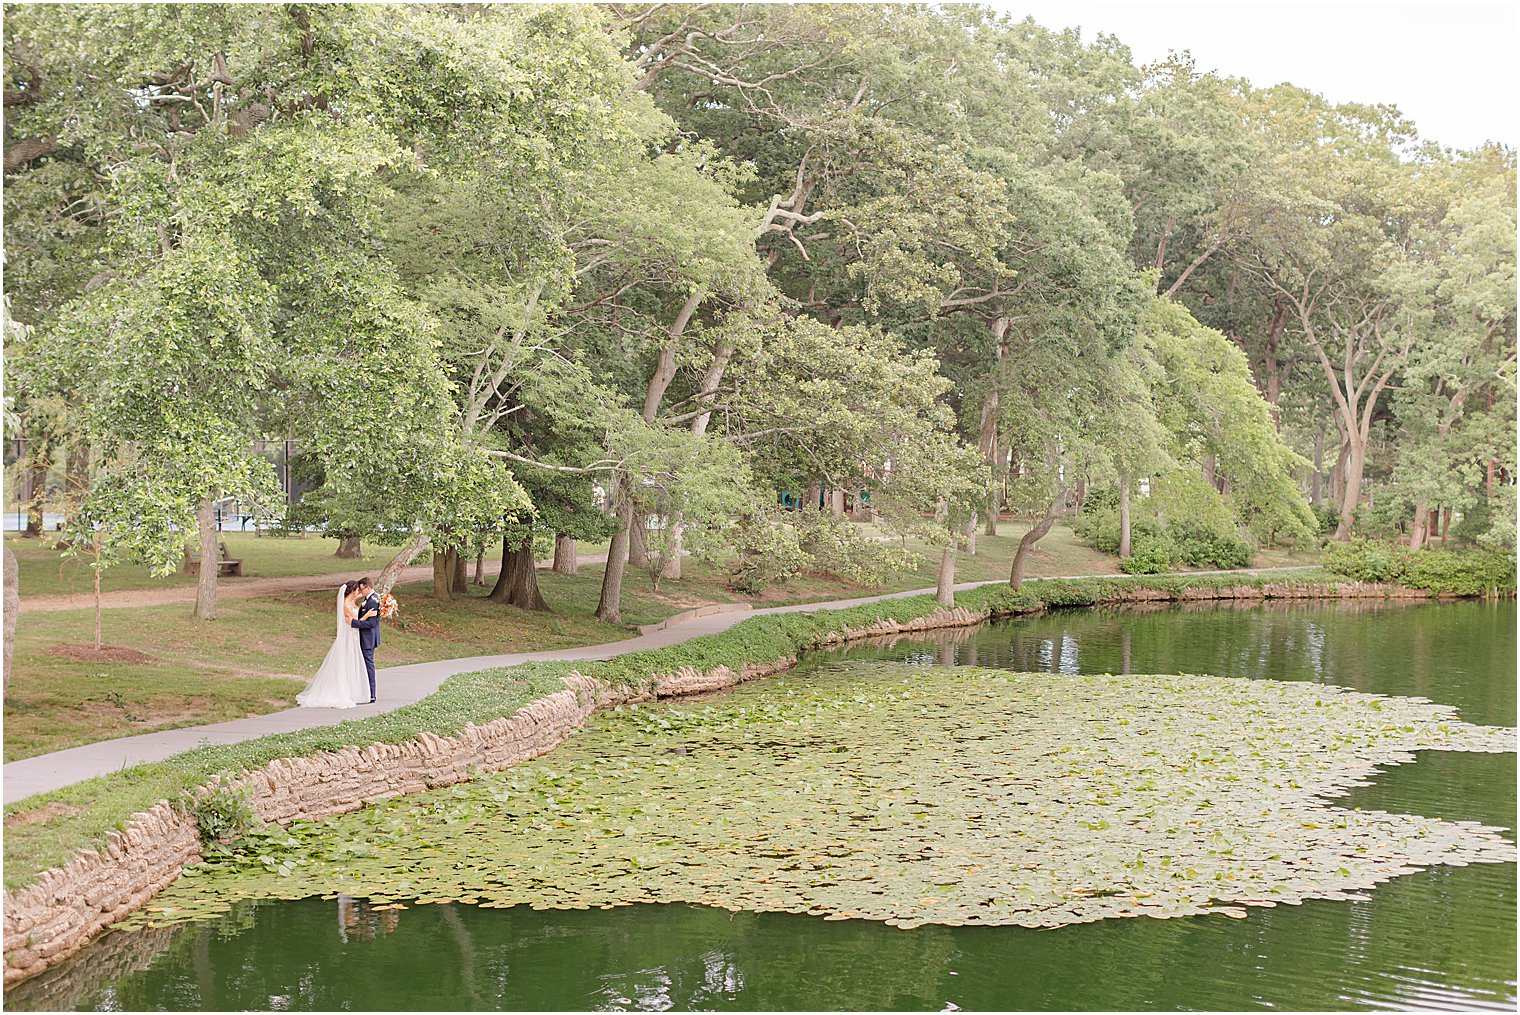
[
  {"x": 45, "y": 571},
  {"x": 45, "y": 830},
  {"x": 260, "y": 651}
]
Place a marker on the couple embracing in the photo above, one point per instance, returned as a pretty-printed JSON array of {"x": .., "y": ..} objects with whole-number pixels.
[{"x": 347, "y": 676}]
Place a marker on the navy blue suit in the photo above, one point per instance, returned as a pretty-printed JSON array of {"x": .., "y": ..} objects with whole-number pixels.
[{"x": 369, "y": 635}]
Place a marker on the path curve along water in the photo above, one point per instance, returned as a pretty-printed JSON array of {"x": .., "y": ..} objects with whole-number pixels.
[{"x": 399, "y": 686}]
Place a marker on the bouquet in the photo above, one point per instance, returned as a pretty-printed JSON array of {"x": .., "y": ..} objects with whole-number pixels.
[{"x": 388, "y": 606}]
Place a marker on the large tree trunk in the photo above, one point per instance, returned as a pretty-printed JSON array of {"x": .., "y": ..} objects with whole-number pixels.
[
  {"x": 564, "y": 555},
  {"x": 517, "y": 585},
  {"x": 670, "y": 568},
  {"x": 1445, "y": 525},
  {"x": 349, "y": 548},
  {"x": 1317, "y": 478},
  {"x": 968, "y": 536},
  {"x": 205, "y": 583},
  {"x": 608, "y": 608},
  {"x": 1124, "y": 531},
  {"x": 391, "y": 572},
  {"x": 1418, "y": 528},
  {"x": 12, "y": 607},
  {"x": 480, "y": 568},
  {"x": 836, "y": 502},
  {"x": 811, "y": 496},
  {"x": 1356, "y": 462},
  {"x": 638, "y": 541},
  {"x": 459, "y": 566},
  {"x": 1033, "y": 536},
  {"x": 443, "y": 577},
  {"x": 944, "y": 591}
]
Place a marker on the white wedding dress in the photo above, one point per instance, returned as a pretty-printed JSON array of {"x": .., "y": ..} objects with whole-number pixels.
[{"x": 341, "y": 680}]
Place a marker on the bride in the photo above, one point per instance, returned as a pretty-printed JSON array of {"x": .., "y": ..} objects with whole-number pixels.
[{"x": 341, "y": 680}]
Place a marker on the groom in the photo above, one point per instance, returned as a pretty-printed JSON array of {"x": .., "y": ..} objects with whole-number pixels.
[{"x": 367, "y": 622}]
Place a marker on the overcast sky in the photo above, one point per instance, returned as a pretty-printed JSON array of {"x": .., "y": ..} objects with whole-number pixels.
[{"x": 1449, "y": 65}]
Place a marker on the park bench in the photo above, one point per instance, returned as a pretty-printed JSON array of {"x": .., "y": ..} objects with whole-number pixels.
[{"x": 226, "y": 564}]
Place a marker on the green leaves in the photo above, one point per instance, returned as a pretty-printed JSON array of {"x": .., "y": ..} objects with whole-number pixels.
[{"x": 876, "y": 791}]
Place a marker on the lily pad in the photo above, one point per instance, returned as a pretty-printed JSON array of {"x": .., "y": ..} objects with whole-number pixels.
[{"x": 911, "y": 796}]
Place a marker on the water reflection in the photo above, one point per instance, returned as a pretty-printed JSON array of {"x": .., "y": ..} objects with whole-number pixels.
[{"x": 1443, "y": 938}]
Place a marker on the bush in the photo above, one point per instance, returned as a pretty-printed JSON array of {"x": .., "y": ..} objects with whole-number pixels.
[
  {"x": 1196, "y": 546},
  {"x": 1328, "y": 517},
  {"x": 1153, "y": 556},
  {"x": 1459, "y": 572},
  {"x": 1155, "y": 550}
]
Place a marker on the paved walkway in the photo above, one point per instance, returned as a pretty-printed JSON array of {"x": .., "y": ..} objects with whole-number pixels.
[{"x": 398, "y": 686}]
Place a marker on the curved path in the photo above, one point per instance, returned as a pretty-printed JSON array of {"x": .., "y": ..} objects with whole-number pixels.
[{"x": 398, "y": 686}]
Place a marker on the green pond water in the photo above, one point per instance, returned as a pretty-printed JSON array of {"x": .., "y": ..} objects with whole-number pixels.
[{"x": 1442, "y": 937}]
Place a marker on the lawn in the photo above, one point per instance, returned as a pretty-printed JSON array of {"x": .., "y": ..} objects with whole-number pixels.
[
  {"x": 165, "y": 670},
  {"x": 45, "y": 571}
]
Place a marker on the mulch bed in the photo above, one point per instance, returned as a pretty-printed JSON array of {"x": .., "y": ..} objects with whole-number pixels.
[{"x": 105, "y": 654}]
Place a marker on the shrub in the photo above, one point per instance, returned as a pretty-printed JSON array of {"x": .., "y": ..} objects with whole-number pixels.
[
  {"x": 221, "y": 812},
  {"x": 1153, "y": 556},
  {"x": 1196, "y": 546},
  {"x": 1460, "y": 572}
]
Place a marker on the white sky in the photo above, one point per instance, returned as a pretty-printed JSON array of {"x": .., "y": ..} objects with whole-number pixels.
[{"x": 1449, "y": 65}]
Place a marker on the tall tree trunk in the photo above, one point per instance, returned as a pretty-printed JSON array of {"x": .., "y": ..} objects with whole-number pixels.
[
  {"x": 638, "y": 541},
  {"x": 1356, "y": 462},
  {"x": 517, "y": 585},
  {"x": 811, "y": 496},
  {"x": 12, "y": 607},
  {"x": 480, "y": 568},
  {"x": 836, "y": 502},
  {"x": 205, "y": 583},
  {"x": 443, "y": 577},
  {"x": 608, "y": 608},
  {"x": 1317, "y": 478},
  {"x": 459, "y": 568},
  {"x": 1272, "y": 384},
  {"x": 349, "y": 548},
  {"x": 1417, "y": 529},
  {"x": 987, "y": 438},
  {"x": 1445, "y": 525},
  {"x": 391, "y": 572},
  {"x": 944, "y": 590},
  {"x": 1124, "y": 530},
  {"x": 670, "y": 568},
  {"x": 1210, "y": 464},
  {"x": 1033, "y": 536},
  {"x": 967, "y": 542},
  {"x": 564, "y": 555}
]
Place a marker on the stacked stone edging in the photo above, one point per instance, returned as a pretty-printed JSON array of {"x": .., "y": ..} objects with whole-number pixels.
[{"x": 67, "y": 906}]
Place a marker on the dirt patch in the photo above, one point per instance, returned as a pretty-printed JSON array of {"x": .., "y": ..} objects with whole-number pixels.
[
  {"x": 105, "y": 654},
  {"x": 41, "y": 815}
]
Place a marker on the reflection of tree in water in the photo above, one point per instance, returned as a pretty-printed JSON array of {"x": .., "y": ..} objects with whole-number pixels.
[
  {"x": 1448, "y": 652},
  {"x": 359, "y": 920}
]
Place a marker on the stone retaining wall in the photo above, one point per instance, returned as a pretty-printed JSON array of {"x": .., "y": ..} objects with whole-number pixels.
[{"x": 67, "y": 906}]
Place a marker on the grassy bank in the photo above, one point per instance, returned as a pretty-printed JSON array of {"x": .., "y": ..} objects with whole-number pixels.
[
  {"x": 164, "y": 670},
  {"x": 45, "y": 830}
]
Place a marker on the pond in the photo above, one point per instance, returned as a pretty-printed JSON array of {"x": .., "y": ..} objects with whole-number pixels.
[{"x": 1443, "y": 936}]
